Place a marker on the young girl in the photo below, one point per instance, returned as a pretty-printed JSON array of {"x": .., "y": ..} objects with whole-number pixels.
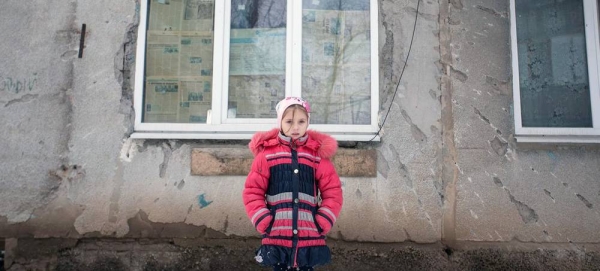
[{"x": 293, "y": 194}]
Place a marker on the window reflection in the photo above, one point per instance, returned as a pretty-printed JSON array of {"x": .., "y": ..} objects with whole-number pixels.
[
  {"x": 336, "y": 58},
  {"x": 257, "y": 57}
]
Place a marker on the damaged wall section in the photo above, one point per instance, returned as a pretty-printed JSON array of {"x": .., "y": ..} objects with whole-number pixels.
[{"x": 446, "y": 170}]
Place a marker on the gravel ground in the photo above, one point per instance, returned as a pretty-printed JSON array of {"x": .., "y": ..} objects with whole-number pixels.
[{"x": 237, "y": 254}]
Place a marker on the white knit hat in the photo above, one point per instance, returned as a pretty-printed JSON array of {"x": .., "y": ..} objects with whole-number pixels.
[{"x": 287, "y": 102}]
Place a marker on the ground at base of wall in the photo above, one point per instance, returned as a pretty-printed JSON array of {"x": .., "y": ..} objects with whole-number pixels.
[{"x": 214, "y": 255}]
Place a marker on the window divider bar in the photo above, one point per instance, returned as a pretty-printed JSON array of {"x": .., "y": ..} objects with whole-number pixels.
[
  {"x": 374, "y": 24},
  {"x": 224, "y": 93},
  {"x": 295, "y": 51},
  {"x": 515, "y": 69},
  {"x": 220, "y": 49}
]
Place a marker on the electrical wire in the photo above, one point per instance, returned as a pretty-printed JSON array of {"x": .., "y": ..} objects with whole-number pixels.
[{"x": 402, "y": 73}]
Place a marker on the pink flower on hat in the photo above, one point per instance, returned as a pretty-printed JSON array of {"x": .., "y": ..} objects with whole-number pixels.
[{"x": 287, "y": 102}]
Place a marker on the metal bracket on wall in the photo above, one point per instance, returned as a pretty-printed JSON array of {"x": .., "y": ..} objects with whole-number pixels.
[{"x": 81, "y": 41}]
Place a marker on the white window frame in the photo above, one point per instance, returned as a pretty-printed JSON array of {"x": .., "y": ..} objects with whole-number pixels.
[
  {"x": 562, "y": 135},
  {"x": 218, "y": 126}
]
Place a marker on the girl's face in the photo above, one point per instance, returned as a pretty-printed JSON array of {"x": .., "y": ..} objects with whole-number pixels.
[{"x": 294, "y": 122}]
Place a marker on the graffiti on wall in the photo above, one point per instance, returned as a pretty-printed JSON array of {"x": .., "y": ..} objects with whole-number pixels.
[
  {"x": 17, "y": 84},
  {"x": 202, "y": 201}
]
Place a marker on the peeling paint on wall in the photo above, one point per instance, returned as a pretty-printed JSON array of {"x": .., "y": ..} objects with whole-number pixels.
[
  {"x": 128, "y": 150},
  {"x": 383, "y": 167},
  {"x": 181, "y": 184},
  {"x": 457, "y": 4},
  {"x": 549, "y": 195},
  {"x": 585, "y": 201},
  {"x": 499, "y": 146}
]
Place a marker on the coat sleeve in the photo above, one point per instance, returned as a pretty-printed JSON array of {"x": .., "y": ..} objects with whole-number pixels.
[
  {"x": 330, "y": 187},
  {"x": 254, "y": 194}
]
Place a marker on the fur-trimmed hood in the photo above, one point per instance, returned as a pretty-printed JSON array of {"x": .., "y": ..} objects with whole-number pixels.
[{"x": 325, "y": 145}]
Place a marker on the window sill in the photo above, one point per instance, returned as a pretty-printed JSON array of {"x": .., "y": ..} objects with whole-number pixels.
[
  {"x": 241, "y": 136},
  {"x": 594, "y": 139}
]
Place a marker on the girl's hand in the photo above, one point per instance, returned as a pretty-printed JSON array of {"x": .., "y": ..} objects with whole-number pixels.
[
  {"x": 323, "y": 224},
  {"x": 263, "y": 225}
]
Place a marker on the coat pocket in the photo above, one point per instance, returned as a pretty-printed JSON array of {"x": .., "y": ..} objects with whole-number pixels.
[
  {"x": 319, "y": 229},
  {"x": 268, "y": 231}
]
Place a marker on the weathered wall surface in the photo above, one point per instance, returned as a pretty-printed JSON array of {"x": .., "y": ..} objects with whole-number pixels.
[
  {"x": 507, "y": 191},
  {"x": 447, "y": 166},
  {"x": 64, "y": 128}
]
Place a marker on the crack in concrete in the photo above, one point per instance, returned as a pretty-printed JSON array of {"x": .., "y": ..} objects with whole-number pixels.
[
  {"x": 449, "y": 168},
  {"x": 167, "y": 151},
  {"x": 383, "y": 166},
  {"x": 549, "y": 194},
  {"x": 498, "y": 182},
  {"x": 500, "y": 147},
  {"x": 481, "y": 116},
  {"x": 492, "y": 11},
  {"x": 24, "y": 99},
  {"x": 500, "y": 87},
  {"x": 181, "y": 184},
  {"x": 499, "y": 144},
  {"x": 585, "y": 201},
  {"x": 402, "y": 169},
  {"x": 66, "y": 91},
  {"x": 527, "y": 214},
  {"x": 417, "y": 133},
  {"x": 116, "y": 193},
  {"x": 457, "y": 4},
  {"x": 406, "y": 175},
  {"x": 458, "y": 75},
  {"x": 168, "y": 148}
]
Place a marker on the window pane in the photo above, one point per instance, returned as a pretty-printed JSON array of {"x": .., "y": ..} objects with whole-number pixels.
[
  {"x": 179, "y": 49},
  {"x": 553, "y": 71},
  {"x": 336, "y": 58},
  {"x": 256, "y": 58}
]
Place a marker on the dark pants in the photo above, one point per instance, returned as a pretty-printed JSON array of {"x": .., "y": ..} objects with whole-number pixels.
[{"x": 284, "y": 267}]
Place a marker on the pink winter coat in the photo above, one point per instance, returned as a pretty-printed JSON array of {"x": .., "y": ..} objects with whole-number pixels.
[{"x": 293, "y": 196}]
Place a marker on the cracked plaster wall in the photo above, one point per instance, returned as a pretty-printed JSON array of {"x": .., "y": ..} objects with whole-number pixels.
[
  {"x": 507, "y": 191},
  {"x": 35, "y": 104},
  {"x": 102, "y": 184},
  {"x": 448, "y": 167}
]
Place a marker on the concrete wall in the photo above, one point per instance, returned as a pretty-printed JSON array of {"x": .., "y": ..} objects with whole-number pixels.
[
  {"x": 506, "y": 191},
  {"x": 448, "y": 168}
]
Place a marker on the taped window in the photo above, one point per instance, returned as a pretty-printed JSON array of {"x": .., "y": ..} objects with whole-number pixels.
[{"x": 216, "y": 69}]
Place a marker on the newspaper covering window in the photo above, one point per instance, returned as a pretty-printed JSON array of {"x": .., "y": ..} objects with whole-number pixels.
[
  {"x": 179, "y": 52},
  {"x": 336, "y": 57},
  {"x": 256, "y": 58}
]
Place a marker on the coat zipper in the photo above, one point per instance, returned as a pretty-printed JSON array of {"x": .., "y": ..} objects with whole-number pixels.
[{"x": 295, "y": 192}]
